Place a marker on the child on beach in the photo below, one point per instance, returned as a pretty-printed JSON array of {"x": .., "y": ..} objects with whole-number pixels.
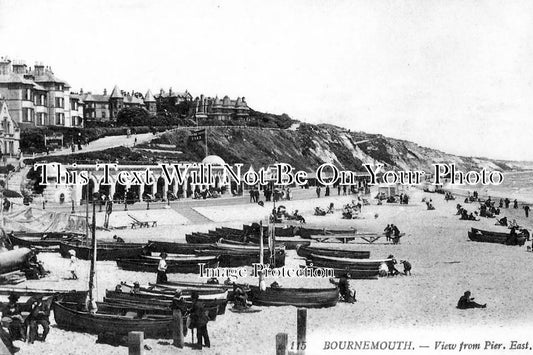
[
  {"x": 406, "y": 267},
  {"x": 466, "y": 302},
  {"x": 73, "y": 264}
]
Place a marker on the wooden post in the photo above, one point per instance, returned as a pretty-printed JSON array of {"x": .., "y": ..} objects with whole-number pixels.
[
  {"x": 135, "y": 343},
  {"x": 282, "y": 340},
  {"x": 177, "y": 329},
  {"x": 301, "y": 330}
]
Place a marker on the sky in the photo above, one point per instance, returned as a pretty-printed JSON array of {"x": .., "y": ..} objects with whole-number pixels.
[{"x": 452, "y": 75}]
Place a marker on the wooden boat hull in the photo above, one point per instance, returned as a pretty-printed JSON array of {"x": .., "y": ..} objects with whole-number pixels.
[
  {"x": 146, "y": 265},
  {"x": 343, "y": 263},
  {"x": 233, "y": 258},
  {"x": 357, "y": 274},
  {"x": 172, "y": 286},
  {"x": 45, "y": 240},
  {"x": 13, "y": 260},
  {"x": 495, "y": 238},
  {"x": 306, "y": 251},
  {"x": 106, "y": 251},
  {"x": 201, "y": 239},
  {"x": 297, "y": 297},
  {"x": 175, "y": 248},
  {"x": 122, "y": 309},
  {"x": 85, "y": 322},
  {"x": 161, "y": 300}
]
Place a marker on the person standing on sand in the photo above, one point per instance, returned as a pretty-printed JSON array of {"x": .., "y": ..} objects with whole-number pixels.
[
  {"x": 162, "y": 269},
  {"x": 199, "y": 321},
  {"x": 318, "y": 191},
  {"x": 526, "y": 210},
  {"x": 466, "y": 302},
  {"x": 515, "y": 204},
  {"x": 73, "y": 264},
  {"x": 406, "y": 267}
]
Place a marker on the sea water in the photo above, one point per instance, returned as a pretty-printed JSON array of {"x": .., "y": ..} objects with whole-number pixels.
[{"x": 516, "y": 185}]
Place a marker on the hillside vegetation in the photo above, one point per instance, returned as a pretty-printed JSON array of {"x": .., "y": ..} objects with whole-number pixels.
[{"x": 304, "y": 146}]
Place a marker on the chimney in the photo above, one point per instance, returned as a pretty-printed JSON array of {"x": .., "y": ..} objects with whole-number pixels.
[
  {"x": 105, "y": 92},
  {"x": 81, "y": 91},
  {"x": 39, "y": 69},
  {"x": 170, "y": 91},
  {"x": 5, "y": 66},
  {"x": 19, "y": 67}
]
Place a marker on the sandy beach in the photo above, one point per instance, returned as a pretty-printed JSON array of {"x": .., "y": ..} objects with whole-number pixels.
[{"x": 445, "y": 264}]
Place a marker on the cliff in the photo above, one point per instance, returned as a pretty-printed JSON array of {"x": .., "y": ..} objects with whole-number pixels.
[{"x": 304, "y": 146}]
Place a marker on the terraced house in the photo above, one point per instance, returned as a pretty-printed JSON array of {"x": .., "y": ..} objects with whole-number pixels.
[
  {"x": 104, "y": 107},
  {"x": 36, "y": 97}
]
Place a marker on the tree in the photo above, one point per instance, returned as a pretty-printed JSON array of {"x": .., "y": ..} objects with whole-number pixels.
[{"x": 133, "y": 116}]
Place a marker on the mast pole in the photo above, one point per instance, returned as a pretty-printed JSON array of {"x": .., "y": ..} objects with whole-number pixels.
[
  {"x": 87, "y": 211},
  {"x": 93, "y": 261},
  {"x": 261, "y": 251},
  {"x": 272, "y": 233},
  {"x": 206, "y": 130}
]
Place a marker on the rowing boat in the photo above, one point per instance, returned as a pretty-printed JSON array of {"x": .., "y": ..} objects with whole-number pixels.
[
  {"x": 106, "y": 250},
  {"x": 175, "y": 248},
  {"x": 147, "y": 264},
  {"x": 342, "y": 263},
  {"x": 306, "y": 251},
  {"x": 478, "y": 235},
  {"x": 71, "y": 319},
  {"x": 298, "y": 297}
]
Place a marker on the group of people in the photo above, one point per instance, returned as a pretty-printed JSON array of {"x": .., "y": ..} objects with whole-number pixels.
[
  {"x": 404, "y": 199},
  {"x": 351, "y": 210},
  {"x": 277, "y": 215},
  {"x": 271, "y": 194},
  {"x": 389, "y": 267},
  {"x": 18, "y": 325},
  {"x": 392, "y": 233},
  {"x": 319, "y": 211},
  {"x": 346, "y": 292},
  {"x": 461, "y": 211},
  {"x": 196, "y": 315},
  {"x": 203, "y": 194},
  {"x": 448, "y": 196},
  {"x": 318, "y": 191},
  {"x": 254, "y": 195}
]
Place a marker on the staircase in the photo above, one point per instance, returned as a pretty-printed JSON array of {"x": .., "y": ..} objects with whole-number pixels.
[
  {"x": 15, "y": 180},
  {"x": 191, "y": 214}
]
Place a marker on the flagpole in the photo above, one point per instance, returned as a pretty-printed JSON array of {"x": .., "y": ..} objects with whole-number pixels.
[{"x": 206, "y": 130}]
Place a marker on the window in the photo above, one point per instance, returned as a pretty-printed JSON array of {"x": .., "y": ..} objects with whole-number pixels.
[
  {"x": 41, "y": 119},
  {"x": 27, "y": 114},
  {"x": 42, "y": 100},
  {"x": 27, "y": 95},
  {"x": 60, "y": 119},
  {"x": 74, "y": 105},
  {"x": 59, "y": 87},
  {"x": 60, "y": 102},
  {"x": 103, "y": 114}
]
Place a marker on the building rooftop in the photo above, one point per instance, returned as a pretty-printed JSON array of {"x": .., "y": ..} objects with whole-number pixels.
[{"x": 116, "y": 93}]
